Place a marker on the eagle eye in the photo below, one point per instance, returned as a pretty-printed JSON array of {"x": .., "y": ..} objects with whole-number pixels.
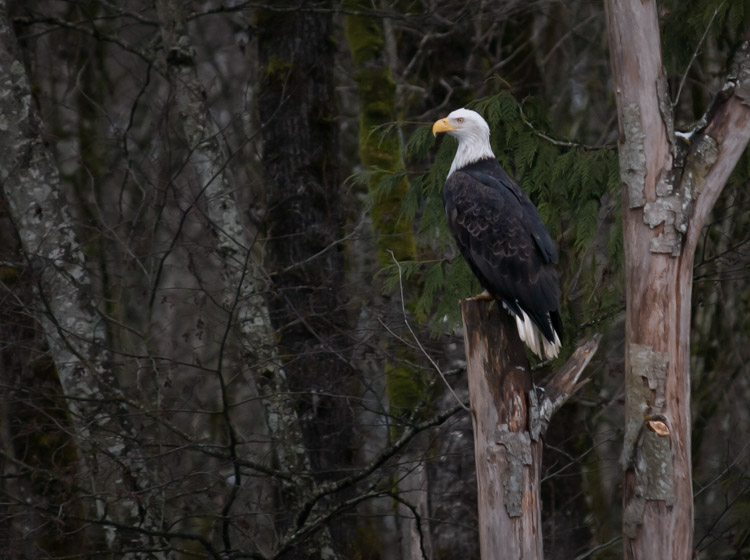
[{"x": 459, "y": 120}]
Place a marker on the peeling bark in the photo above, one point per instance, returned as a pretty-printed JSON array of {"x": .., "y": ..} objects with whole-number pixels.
[
  {"x": 665, "y": 206},
  {"x": 517, "y": 446},
  {"x": 632, "y": 159},
  {"x": 646, "y": 453},
  {"x": 510, "y": 419}
]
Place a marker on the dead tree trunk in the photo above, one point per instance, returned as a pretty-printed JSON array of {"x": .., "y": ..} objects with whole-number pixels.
[
  {"x": 668, "y": 192},
  {"x": 510, "y": 415},
  {"x": 508, "y": 461}
]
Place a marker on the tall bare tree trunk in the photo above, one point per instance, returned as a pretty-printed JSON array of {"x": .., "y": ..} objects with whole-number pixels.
[
  {"x": 305, "y": 215},
  {"x": 305, "y": 223},
  {"x": 668, "y": 192}
]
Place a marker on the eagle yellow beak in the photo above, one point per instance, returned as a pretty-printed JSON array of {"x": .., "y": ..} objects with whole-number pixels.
[{"x": 442, "y": 126}]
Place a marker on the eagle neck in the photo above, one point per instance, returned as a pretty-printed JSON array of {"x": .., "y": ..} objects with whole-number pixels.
[{"x": 471, "y": 148}]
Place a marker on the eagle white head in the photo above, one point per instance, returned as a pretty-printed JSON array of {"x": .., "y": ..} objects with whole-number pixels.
[{"x": 472, "y": 133}]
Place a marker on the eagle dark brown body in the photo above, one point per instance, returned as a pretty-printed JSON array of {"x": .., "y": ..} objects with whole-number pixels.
[{"x": 501, "y": 235}]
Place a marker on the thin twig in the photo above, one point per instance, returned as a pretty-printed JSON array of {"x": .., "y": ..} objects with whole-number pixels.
[
  {"x": 417, "y": 521},
  {"x": 414, "y": 335},
  {"x": 722, "y": 473},
  {"x": 563, "y": 143},
  {"x": 695, "y": 55},
  {"x": 348, "y": 236},
  {"x": 597, "y": 548}
]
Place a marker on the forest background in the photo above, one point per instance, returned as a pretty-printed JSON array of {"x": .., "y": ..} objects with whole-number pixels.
[{"x": 229, "y": 297}]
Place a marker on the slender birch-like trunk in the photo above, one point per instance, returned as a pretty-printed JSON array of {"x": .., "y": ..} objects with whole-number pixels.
[
  {"x": 114, "y": 471},
  {"x": 240, "y": 274}
]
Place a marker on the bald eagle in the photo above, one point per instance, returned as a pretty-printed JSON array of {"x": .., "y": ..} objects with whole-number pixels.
[{"x": 501, "y": 235}]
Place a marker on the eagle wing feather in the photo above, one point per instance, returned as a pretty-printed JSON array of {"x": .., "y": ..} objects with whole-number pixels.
[{"x": 501, "y": 235}]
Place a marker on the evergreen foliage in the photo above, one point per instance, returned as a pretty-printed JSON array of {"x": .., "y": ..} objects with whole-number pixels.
[
  {"x": 567, "y": 182},
  {"x": 685, "y": 22}
]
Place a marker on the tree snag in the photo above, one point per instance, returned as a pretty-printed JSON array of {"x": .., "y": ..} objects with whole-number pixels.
[{"x": 510, "y": 416}]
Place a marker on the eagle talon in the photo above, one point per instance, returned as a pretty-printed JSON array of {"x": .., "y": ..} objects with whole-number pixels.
[{"x": 484, "y": 296}]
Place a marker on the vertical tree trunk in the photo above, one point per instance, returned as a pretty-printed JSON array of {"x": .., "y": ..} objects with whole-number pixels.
[
  {"x": 246, "y": 308},
  {"x": 508, "y": 459},
  {"x": 510, "y": 417},
  {"x": 305, "y": 218},
  {"x": 305, "y": 215},
  {"x": 380, "y": 153},
  {"x": 667, "y": 195},
  {"x": 114, "y": 473},
  {"x": 657, "y": 494},
  {"x": 379, "y": 144}
]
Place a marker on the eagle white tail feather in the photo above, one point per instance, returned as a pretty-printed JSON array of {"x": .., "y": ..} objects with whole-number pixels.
[
  {"x": 551, "y": 349},
  {"x": 531, "y": 335},
  {"x": 526, "y": 332}
]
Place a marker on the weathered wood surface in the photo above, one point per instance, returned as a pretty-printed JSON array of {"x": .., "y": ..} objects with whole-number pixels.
[
  {"x": 509, "y": 417},
  {"x": 508, "y": 462},
  {"x": 668, "y": 192}
]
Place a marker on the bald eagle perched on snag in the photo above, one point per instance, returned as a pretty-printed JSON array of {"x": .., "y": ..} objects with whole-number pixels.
[{"x": 501, "y": 235}]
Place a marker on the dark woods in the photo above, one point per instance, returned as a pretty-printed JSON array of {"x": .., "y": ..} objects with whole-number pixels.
[{"x": 228, "y": 296}]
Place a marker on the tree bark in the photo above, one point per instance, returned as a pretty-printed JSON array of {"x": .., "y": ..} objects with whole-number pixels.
[
  {"x": 668, "y": 192},
  {"x": 240, "y": 297},
  {"x": 304, "y": 224},
  {"x": 509, "y": 421},
  {"x": 379, "y": 139},
  {"x": 508, "y": 461},
  {"x": 114, "y": 473},
  {"x": 380, "y": 153},
  {"x": 305, "y": 216}
]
